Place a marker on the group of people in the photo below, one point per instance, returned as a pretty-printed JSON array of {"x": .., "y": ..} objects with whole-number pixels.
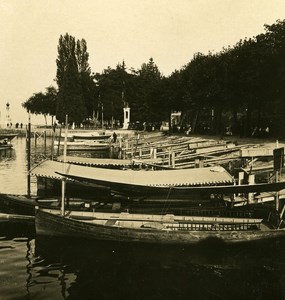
[{"x": 17, "y": 125}]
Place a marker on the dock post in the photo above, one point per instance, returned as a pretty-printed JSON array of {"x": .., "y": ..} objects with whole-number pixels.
[
  {"x": 52, "y": 143},
  {"x": 63, "y": 181},
  {"x": 173, "y": 159},
  {"x": 151, "y": 152},
  {"x": 154, "y": 152},
  {"x": 112, "y": 151},
  {"x": 281, "y": 215},
  {"x": 240, "y": 177},
  {"x": 251, "y": 180},
  {"x": 240, "y": 180},
  {"x": 277, "y": 201},
  {"x": 29, "y": 157},
  {"x": 35, "y": 137},
  {"x": 197, "y": 163},
  {"x": 59, "y": 137},
  {"x": 45, "y": 143}
]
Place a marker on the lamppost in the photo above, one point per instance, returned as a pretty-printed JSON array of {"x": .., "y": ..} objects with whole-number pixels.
[{"x": 8, "y": 119}]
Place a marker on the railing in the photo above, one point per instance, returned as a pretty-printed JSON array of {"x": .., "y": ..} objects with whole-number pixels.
[{"x": 214, "y": 227}]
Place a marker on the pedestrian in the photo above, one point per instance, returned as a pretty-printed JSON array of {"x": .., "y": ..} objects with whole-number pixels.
[{"x": 114, "y": 137}]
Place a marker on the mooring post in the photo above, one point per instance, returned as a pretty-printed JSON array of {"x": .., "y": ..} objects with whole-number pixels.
[
  {"x": 154, "y": 152},
  {"x": 29, "y": 157},
  {"x": 151, "y": 152},
  {"x": 277, "y": 202},
  {"x": 197, "y": 162},
  {"x": 35, "y": 138},
  {"x": 281, "y": 216},
  {"x": 120, "y": 141},
  {"x": 52, "y": 144},
  {"x": 251, "y": 181},
  {"x": 173, "y": 159},
  {"x": 169, "y": 157},
  {"x": 63, "y": 180},
  {"x": 58, "y": 145},
  {"x": 45, "y": 143}
]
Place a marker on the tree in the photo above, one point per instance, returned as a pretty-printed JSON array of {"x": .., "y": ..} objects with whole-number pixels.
[
  {"x": 148, "y": 79},
  {"x": 70, "y": 98},
  {"x": 87, "y": 80},
  {"x": 42, "y": 103},
  {"x": 113, "y": 87},
  {"x": 74, "y": 80}
]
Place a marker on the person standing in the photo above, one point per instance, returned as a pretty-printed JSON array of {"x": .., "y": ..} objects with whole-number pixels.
[{"x": 114, "y": 137}]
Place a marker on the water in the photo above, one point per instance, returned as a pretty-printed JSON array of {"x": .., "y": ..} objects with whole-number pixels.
[{"x": 32, "y": 267}]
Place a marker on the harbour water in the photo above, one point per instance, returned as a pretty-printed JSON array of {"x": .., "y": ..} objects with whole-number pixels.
[{"x": 33, "y": 267}]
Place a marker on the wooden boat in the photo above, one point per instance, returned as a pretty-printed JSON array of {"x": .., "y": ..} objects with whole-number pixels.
[
  {"x": 208, "y": 180},
  {"x": 95, "y": 136},
  {"x": 112, "y": 163},
  {"x": 8, "y": 136},
  {"x": 143, "y": 228},
  {"x": 165, "y": 183},
  {"x": 87, "y": 145},
  {"x": 150, "y": 228},
  {"x": 5, "y": 144}
]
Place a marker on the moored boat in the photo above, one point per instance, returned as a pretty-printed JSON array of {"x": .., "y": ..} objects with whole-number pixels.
[
  {"x": 93, "y": 136},
  {"x": 164, "y": 183},
  {"x": 8, "y": 136},
  {"x": 143, "y": 228},
  {"x": 87, "y": 145},
  {"x": 157, "y": 228}
]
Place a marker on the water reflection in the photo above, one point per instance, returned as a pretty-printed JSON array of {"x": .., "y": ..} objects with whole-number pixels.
[
  {"x": 34, "y": 267},
  {"x": 13, "y": 165},
  {"x": 43, "y": 268},
  {"x": 128, "y": 271},
  {"x": 13, "y": 169}
]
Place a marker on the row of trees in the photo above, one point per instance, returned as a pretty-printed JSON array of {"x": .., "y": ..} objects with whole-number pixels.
[{"x": 241, "y": 86}]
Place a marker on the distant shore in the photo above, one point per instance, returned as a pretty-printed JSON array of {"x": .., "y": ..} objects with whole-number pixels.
[{"x": 21, "y": 132}]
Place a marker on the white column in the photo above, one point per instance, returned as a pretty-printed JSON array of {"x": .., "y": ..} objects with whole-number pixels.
[{"x": 127, "y": 117}]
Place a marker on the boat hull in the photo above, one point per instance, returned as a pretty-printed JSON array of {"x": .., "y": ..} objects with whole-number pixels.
[
  {"x": 55, "y": 225},
  {"x": 88, "y": 147},
  {"x": 91, "y": 137}
]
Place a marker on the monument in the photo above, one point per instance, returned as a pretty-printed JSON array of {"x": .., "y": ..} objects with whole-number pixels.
[
  {"x": 127, "y": 110},
  {"x": 127, "y": 115}
]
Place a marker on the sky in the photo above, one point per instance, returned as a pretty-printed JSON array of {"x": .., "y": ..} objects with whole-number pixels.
[{"x": 169, "y": 31}]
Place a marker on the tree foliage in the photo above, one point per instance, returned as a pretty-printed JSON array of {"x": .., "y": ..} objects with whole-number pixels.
[
  {"x": 74, "y": 80},
  {"x": 242, "y": 86},
  {"x": 42, "y": 103}
]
